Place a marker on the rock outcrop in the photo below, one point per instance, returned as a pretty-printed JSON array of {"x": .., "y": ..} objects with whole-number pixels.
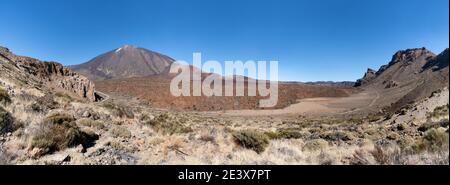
[
  {"x": 51, "y": 73},
  {"x": 368, "y": 76}
]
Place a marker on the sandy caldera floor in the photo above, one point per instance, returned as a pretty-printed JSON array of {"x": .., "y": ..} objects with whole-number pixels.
[{"x": 360, "y": 102}]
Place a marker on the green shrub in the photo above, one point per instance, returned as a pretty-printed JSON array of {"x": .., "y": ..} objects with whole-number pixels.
[
  {"x": 251, "y": 139},
  {"x": 6, "y": 121},
  {"x": 4, "y": 97},
  {"x": 166, "y": 124},
  {"x": 59, "y": 131}
]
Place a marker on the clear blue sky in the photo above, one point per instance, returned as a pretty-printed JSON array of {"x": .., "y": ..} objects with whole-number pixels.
[{"x": 313, "y": 39}]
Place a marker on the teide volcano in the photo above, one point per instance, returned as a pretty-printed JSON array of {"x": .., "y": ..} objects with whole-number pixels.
[{"x": 125, "y": 62}]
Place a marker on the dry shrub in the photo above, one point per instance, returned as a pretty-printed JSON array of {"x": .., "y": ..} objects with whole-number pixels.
[
  {"x": 251, "y": 139},
  {"x": 435, "y": 139},
  {"x": 207, "y": 137},
  {"x": 4, "y": 97},
  {"x": 6, "y": 121},
  {"x": 338, "y": 136},
  {"x": 315, "y": 144},
  {"x": 119, "y": 131},
  {"x": 173, "y": 144},
  {"x": 91, "y": 123},
  {"x": 44, "y": 104},
  {"x": 166, "y": 124},
  {"x": 119, "y": 110},
  {"x": 439, "y": 112},
  {"x": 286, "y": 134},
  {"x": 59, "y": 131}
]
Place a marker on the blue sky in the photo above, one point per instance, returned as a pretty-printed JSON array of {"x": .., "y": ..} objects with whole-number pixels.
[{"x": 312, "y": 39}]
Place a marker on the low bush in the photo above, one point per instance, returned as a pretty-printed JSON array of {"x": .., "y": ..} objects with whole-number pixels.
[
  {"x": 435, "y": 139},
  {"x": 338, "y": 136},
  {"x": 252, "y": 139},
  {"x": 91, "y": 123},
  {"x": 166, "y": 124},
  {"x": 4, "y": 97},
  {"x": 59, "y": 131},
  {"x": 44, "y": 104},
  {"x": 120, "y": 131},
  {"x": 119, "y": 110},
  {"x": 6, "y": 121},
  {"x": 286, "y": 134}
]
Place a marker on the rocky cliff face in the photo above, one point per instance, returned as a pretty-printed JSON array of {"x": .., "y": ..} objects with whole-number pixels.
[{"x": 53, "y": 74}]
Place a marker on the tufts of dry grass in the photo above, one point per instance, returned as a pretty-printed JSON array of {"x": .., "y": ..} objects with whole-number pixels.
[
  {"x": 251, "y": 139},
  {"x": 119, "y": 110},
  {"x": 120, "y": 131},
  {"x": 167, "y": 125},
  {"x": 435, "y": 139},
  {"x": 44, "y": 104},
  {"x": 91, "y": 123}
]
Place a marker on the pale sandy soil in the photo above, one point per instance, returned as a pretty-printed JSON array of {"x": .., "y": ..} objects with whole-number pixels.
[{"x": 315, "y": 106}]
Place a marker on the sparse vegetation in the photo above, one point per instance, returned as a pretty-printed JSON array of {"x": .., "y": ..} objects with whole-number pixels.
[
  {"x": 286, "y": 134},
  {"x": 91, "y": 123},
  {"x": 4, "y": 97},
  {"x": 439, "y": 112},
  {"x": 338, "y": 136},
  {"x": 6, "y": 121},
  {"x": 44, "y": 104},
  {"x": 251, "y": 139},
  {"x": 435, "y": 139},
  {"x": 119, "y": 110},
  {"x": 315, "y": 144},
  {"x": 165, "y": 124},
  {"x": 59, "y": 131},
  {"x": 120, "y": 131},
  {"x": 64, "y": 97}
]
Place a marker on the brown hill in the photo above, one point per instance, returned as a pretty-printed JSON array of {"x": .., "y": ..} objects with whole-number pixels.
[
  {"x": 125, "y": 62},
  {"x": 411, "y": 75}
]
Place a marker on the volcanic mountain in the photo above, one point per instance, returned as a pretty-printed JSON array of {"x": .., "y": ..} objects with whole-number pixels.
[
  {"x": 125, "y": 62},
  {"x": 411, "y": 75}
]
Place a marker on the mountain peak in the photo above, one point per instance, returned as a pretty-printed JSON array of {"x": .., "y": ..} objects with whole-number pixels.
[
  {"x": 409, "y": 55},
  {"x": 125, "y": 47},
  {"x": 125, "y": 62}
]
